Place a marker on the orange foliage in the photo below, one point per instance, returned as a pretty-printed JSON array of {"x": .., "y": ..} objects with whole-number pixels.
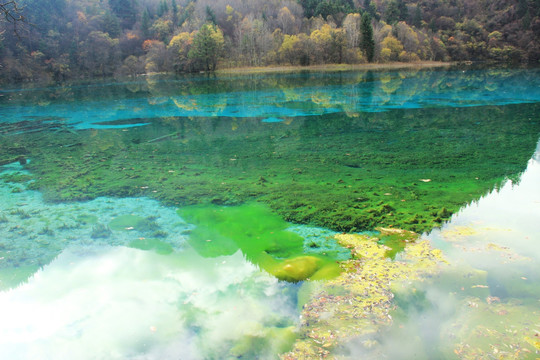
[{"x": 148, "y": 44}]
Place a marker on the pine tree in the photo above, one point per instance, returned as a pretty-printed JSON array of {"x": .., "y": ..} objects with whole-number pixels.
[
  {"x": 207, "y": 46},
  {"x": 145, "y": 24},
  {"x": 163, "y": 8},
  {"x": 210, "y": 15},
  {"x": 367, "y": 44},
  {"x": 125, "y": 10},
  {"x": 174, "y": 10}
]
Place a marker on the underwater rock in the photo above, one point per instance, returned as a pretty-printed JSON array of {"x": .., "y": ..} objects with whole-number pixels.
[{"x": 297, "y": 269}]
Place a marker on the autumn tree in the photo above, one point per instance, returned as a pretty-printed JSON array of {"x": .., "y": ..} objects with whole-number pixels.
[
  {"x": 179, "y": 47},
  {"x": 391, "y": 48},
  {"x": 286, "y": 20},
  {"x": 296, "y": 49},
  {"x": 254, "y": 40},
  {"x": 157, "y": 57},
  {"x": 351, "y": 25},
  {"x": 100, "y": 55}
]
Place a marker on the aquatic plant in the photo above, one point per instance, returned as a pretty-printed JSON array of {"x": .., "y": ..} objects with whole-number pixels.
[
  {"x": 16, "y": 177},
  {"x": 399, "y": 168},
  {"x": 100, "y": 231},
  {"x": 21, "y": 213},
  {"x": 46, "y": 231}
]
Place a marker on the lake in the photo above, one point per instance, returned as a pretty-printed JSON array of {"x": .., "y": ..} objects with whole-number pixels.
[{"x": 354, "y": 214}]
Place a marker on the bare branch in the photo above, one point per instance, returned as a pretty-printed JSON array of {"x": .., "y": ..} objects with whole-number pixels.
[{"x": 13, "y": 13}]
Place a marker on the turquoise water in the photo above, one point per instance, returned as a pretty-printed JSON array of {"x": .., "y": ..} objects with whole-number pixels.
[
  {"x": 95, "y": 261},
  {"x": 283, "y": 96}
]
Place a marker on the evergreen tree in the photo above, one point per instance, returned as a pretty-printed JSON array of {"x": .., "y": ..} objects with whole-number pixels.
[
  {"x": 125, "y": 10},
  {"x": 174, "y": 10},
  {"x": 210, "y": 16},
  {"x": 392, "y": 13},
  {"x": 370, "y": 8},
  {"x": 163, "y": 8},
  {"x": 111, "y": 25},
  {"x": 403, "y": 10},
  {"x": 309, "y": 7},
  {"x": 417, "y": 17},
  {"x": 207, "y": 46},
  {"x": 145, "y": 24},
  {"x": 367, "y": 44}
]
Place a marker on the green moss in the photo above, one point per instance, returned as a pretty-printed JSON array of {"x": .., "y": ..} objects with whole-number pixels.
[
  {"x": 360, "y": 299},
  {"x": 16, "y": 177}
]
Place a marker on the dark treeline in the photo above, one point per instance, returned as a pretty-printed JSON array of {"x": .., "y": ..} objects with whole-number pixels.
[{"x": 64, "y": 39}]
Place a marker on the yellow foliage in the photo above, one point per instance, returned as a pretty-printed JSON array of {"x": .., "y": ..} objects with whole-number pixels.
[
  {"x": 394, "y": 45},
  {"x": 385, "y": 54},
  {"x": 322, "y": 35},
  {"x": 180, "y": 41},
  {"x": 289, "y": 43}
]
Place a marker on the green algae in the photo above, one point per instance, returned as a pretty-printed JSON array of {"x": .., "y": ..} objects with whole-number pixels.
[
  {"x": 409, "y": 169},
  {"x": 261, "y": 236},
  {"x": 250, "y": 227}
]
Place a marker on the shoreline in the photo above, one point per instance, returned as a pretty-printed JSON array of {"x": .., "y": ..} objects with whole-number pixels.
[{"x": 332, "y": 67}]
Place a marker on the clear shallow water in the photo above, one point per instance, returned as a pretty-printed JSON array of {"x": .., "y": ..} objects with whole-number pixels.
[{"x": 91, "y": 243}]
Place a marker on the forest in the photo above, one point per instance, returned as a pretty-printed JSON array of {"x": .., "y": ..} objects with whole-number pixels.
[{"x": 68, "y": 39}]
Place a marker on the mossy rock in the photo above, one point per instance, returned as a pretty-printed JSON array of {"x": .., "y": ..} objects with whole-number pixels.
[{"x": 297, "y": 269}]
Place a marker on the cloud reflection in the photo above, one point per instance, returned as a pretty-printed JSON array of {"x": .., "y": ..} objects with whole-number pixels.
[{"x": 121, "y": 303}]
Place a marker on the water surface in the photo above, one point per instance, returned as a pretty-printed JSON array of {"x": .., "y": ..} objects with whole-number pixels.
[{"x": 173, "y": 207}]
